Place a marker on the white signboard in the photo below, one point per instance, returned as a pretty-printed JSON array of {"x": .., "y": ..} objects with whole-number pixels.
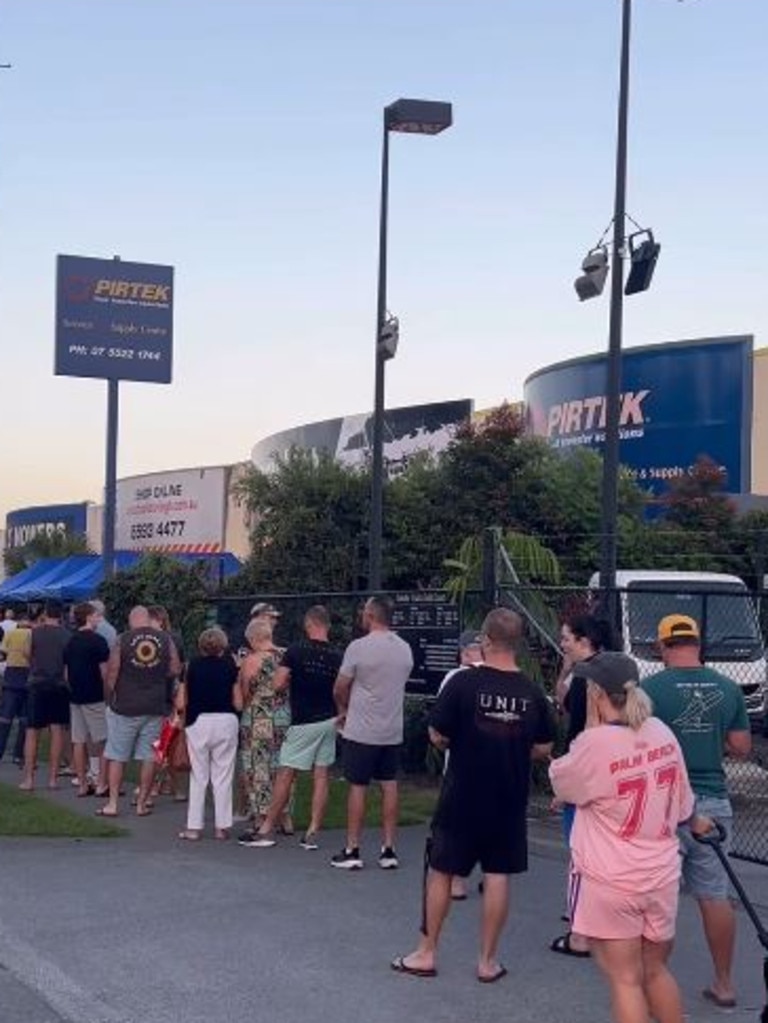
[{"x": 180, "y": 512}]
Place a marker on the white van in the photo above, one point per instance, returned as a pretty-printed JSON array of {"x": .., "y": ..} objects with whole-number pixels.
[{"x": 732, "y": 642}]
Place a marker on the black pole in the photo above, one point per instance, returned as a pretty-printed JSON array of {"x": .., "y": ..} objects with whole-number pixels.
[
  {"x": 110, "y": 477},
  {"x": 377, "y": 467},
  {"x": 610, "y": 495},
  {"x": 110, "y": 486}
]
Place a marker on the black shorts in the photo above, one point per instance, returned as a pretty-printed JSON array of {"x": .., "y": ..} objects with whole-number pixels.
[
  {"x": 47, "y": 705},
  {"x": 363, "y": 763},
  {"x": 457, "y": 852}
]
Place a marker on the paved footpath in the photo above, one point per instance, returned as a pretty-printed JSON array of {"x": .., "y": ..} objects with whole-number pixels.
[{"x": 148, "y": 929}]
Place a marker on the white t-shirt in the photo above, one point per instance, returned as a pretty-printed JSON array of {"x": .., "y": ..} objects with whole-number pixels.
[
  {"x": 8, "y": 625},
  {"x": 379, "y": 665}
]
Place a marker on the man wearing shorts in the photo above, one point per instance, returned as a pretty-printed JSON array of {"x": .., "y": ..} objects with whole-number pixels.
[
  {"x": 369, "y": 694},
  {"x": 707, "y": 713},
  {"x": 15, "y": 645},
  {"x": 495, "y": 721},
  {"x": 85, "y": 659},
  {"x": 48, "y": 696},
  {"x": 140, "y": 674},
  {"x": 309, "y": 669}
]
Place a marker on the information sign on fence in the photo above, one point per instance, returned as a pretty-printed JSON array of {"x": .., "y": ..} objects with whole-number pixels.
[{"x": 431, "y": 625}]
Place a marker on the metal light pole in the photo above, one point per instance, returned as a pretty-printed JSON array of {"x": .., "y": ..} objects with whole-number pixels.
[
  {"x": 377, "y": 462},
  {"x": 610, "y": 493},
  {"x": 417, "y": 117}
]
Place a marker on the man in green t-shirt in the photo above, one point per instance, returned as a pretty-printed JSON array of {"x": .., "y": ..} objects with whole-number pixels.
[{"x": 707, "y": 713}]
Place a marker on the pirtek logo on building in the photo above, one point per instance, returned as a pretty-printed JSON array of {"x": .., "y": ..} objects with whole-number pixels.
[
  {"x": 137, "y": 290},
  {"x": 589, "y": 414}
]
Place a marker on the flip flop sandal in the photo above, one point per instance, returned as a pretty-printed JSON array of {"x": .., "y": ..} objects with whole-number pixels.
[
  {"x": 189, "y": 836},
  {"x": 459, "y": 898},
  {"x": 722, "y": 1003},
  {"x": 562, "y": 946},
  {"x": 146, "y": 812},
  {"x": 103, "y": 812},
  {"x": 399, "y": 965},
  {"x": 501, "y": 972},
  {"x": 150, "y": 803}
]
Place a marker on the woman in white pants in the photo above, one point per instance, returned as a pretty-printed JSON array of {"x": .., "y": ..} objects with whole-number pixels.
[{"x": 211, "y": 701}]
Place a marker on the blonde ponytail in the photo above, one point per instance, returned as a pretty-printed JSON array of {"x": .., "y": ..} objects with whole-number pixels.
[{"x": 635, "y": 704}]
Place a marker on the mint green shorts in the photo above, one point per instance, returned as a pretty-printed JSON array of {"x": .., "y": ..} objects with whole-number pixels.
[{"x": 308, "y": 746}]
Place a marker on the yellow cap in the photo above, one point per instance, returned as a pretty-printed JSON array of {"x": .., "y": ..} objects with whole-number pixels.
[{"x": 678, "y": 627}]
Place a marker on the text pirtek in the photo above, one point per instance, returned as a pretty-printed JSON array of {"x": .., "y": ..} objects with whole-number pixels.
[
  {"x": 589, "y": 413},
  {"x": 137, "y": 290}
]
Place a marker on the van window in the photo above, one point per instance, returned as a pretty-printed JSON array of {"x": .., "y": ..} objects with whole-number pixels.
[{"x": 724, "y": 611}]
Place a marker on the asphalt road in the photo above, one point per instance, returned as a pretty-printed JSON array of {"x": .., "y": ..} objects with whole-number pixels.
[{"x": 148, "y": 929}]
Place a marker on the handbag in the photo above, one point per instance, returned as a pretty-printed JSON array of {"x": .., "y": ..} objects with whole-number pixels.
[{"x": 178, "y": 754}]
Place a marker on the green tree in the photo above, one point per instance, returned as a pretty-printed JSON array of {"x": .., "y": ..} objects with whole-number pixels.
[
  {"x": 492, "y": 474},
  {"x": 570, "y": 515},
  {"x": 183, "y": 590},
  {"x": 44, "y": 545},
  {"x": 309, "y": 525}
]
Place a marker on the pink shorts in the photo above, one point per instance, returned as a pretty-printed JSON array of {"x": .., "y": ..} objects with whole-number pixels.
[{"x": 599, "y": 911}]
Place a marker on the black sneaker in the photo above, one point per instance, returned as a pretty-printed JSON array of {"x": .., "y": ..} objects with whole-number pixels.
[
  {"x": 309, "y": 841},
  {"x": 388, "y": 859},
  {"x": 348, "y": 859},
  {"x": 253, "y": 840}
]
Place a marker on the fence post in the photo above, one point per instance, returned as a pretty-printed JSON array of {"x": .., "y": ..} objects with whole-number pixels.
[{"x": 490, "y": 566}]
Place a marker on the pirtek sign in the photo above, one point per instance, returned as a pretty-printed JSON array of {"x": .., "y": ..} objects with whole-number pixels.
[{"x": 589, "y": 413}]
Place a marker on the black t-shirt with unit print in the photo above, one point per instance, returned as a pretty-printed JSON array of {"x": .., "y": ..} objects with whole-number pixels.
[{"x": 492, "y": 718}]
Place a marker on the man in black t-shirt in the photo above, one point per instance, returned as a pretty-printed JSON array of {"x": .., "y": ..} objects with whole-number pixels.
[
  {"x": 495, "y": 721},
  {"x": 85, "y": 660},
  {"x": 310, "y": 669},
  {"x": 48, "y": 696}
]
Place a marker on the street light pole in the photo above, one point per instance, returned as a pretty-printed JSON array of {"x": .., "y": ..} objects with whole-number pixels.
[
  {"x": 610, "y": 494},
  {"x": 411, "y": 117},
  {"x": 377, "y": 465}
]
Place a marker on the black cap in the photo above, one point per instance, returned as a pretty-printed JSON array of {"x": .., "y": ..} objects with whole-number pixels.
[{"x": 611, "y": 671}]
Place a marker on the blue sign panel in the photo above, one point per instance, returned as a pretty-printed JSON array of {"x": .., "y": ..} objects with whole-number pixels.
[
  {"x": 25, "y": 524},
  {"x": 679, "y": 401},
  {"x": 114, "y": 320}
]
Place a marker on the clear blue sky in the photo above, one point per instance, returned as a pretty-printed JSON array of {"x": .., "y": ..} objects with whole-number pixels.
[{"x": 239, "y": 141}]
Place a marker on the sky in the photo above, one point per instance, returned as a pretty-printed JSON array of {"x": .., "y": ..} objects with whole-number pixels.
[{"x": 239, "y": 141}]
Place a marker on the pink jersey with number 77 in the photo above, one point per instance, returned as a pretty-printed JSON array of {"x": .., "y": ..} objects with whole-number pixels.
[{"x": 631, "y": 789}]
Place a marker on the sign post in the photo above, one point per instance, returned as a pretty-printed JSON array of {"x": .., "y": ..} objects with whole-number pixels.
[
  {"x": 114, "y": 321},
  {"x": 110, "y": 478}
]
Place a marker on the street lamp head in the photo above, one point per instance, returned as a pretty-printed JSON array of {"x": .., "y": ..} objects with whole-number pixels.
[
  {"x": 643, "y": 254},
  {"x": 592, "y": 281},
  {"x": 418, "y": 116}
]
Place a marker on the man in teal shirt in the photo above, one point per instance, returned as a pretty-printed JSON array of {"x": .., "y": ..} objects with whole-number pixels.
[{"x": 707, "y": 713}]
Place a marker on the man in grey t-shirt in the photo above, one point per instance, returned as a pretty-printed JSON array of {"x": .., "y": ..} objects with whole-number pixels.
[{"x": 369, "y": 693}]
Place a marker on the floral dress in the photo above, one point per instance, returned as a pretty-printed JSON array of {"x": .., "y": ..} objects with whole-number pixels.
[{"x": 257, "y": 737}]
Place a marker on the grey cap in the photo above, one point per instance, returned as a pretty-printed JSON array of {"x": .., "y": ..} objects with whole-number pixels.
[
  {"x": 470, "y": 637},
  {"x": 611, "y": 671}
]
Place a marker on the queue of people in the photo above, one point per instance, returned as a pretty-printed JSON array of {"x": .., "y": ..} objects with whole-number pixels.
[{"x": 640, "y": 781}]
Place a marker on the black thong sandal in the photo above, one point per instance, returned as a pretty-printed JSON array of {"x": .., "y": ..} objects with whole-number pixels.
[
  {"x": 399, "y": 965},
  {"x": 562, "y": 946}
]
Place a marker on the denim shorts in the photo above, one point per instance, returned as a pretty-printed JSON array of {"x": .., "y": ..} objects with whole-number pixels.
[
  {"x": 703, "y": 874},
  {"x": 131, "y": 738}
]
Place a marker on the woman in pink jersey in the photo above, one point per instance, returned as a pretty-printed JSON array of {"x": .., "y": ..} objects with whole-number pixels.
[{"x": 627, "y": 776}]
